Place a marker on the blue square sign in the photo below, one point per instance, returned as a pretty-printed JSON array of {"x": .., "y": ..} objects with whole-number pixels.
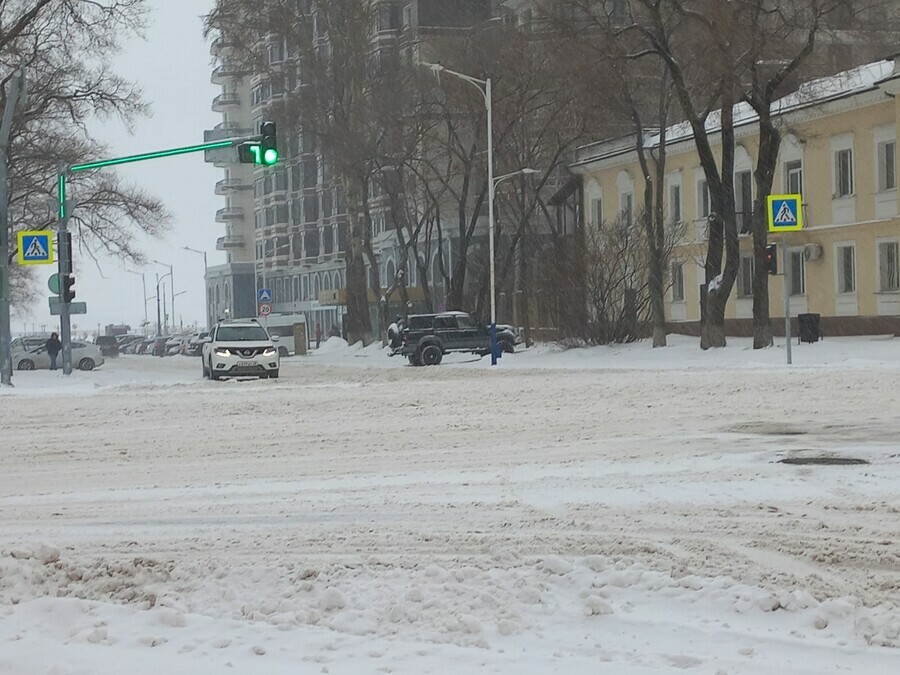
[
  {"x": 35, "y": 247},
  {"x": 785, "y": 213},
  {"x": 263, "y": 295}
]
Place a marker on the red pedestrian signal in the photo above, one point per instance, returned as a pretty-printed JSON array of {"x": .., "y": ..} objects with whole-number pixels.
[{"x": 772, "y": 259}]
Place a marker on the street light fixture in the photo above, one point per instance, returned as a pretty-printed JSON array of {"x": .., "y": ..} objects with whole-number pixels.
[
  {"x": 205, "y": 271},
  {"x": 484, "y": 87}
]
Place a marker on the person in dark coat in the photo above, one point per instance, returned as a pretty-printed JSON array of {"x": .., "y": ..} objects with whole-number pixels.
[
  {"x": 54, "y": 347},
  {"x": 318, "y": 335}
]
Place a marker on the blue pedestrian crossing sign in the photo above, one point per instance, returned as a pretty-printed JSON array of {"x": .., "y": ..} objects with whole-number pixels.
[
  {"x": 785, "y": 213},
  {"x": 263, "y": 295},
  {"x": 35, "y": 247}
]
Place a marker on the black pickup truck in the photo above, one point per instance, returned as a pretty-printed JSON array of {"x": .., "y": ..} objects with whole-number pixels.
[{"x": 425, "y": 338}]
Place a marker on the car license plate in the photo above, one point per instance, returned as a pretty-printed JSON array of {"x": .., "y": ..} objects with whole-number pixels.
[{"x": 246, "y": 364}]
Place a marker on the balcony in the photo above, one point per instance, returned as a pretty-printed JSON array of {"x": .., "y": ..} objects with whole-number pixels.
[
  {"x": 219, "y": 45},
  {"x": 224, "y": 72},
  {"x": 223, "y": 102},
  {"x": 230, "y": 186},
  {"x": 229, "y": 242},
  {"x": 229, "y": 214},
  {"x": 224, "y": 131}
]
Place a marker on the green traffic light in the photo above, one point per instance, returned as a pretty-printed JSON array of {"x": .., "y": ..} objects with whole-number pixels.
[{"x": 270, "y": 156}]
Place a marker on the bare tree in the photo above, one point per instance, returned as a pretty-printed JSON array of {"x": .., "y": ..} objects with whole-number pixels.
[
  {"x": 66, "y": 48},
  {"x": 334, "y": 88}
]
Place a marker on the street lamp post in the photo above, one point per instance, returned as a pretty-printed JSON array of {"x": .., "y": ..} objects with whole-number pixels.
[
  {"x": 484, "y": 87},
  {"x": 158, "y": 315},
  {"x": 205, "y": 270},
  {"x": 171, "y": 282}
]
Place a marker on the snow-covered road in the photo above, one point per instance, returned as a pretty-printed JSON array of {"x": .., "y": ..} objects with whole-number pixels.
[{"x": 451, "y": 520}]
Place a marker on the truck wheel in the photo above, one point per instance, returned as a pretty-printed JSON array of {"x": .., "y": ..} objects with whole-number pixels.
[
  {"x": 213, "y": 375},
  {"x": 282, "y": 352},
  {"x": 432, "y": 355},
  {"x": 508, "y": 347}
]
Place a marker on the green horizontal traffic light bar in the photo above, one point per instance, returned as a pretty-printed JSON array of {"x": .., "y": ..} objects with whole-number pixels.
[{"x": 151, "y": 155}]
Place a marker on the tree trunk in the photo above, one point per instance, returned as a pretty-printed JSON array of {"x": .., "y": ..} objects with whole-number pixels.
[
  {"x": 769, "y": 143},
  {"x": 724, "y": 223},
  {"x": 359, "y": 326}
]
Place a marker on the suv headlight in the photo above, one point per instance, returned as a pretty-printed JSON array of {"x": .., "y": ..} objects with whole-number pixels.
[
  {"x": 270, "y": 351},
  {"x": 222, "y": 352}
]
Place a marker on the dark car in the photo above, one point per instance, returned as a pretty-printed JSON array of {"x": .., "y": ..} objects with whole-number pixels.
[
  {"x": 425, "y": 338},
  {"x": 109, "y": 345}
]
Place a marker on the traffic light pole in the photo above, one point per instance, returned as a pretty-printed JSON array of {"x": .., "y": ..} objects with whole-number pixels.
[
  {"x": 65, "y": 252},
  {"x": 65, "y": 268},
  {"x": 787, "y": 299}
]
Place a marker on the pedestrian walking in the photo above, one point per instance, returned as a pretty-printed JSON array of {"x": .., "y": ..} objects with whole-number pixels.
[
  {"x": 54, "y": 347},
  {"x": 318, "y": 334}
]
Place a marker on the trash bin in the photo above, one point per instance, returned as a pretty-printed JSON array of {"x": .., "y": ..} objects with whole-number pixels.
[{"x": 810, "y": 327}]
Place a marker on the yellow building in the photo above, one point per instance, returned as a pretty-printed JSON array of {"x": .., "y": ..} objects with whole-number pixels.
[{"x": 838, "y": 151}]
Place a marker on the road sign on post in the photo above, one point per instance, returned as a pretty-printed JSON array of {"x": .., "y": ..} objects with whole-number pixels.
[
  {"x": 265, "y": 309},
  {"x": 35, "y": 247},
  {"x": 785, "y": 215},
  {"x": 264, "y": 295}
]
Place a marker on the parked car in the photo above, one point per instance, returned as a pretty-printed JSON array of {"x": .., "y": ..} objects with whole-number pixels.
[
  {"x": 240, "y": 348},
  {"x": 144, "y": 346},
  {"x": 158, "y": 346},
  {"x": 425, "y": 338},
  {"x": 84, "y": 357},
  {"x": 108, "y": 344},
  {"x": 195, "y": 343}
]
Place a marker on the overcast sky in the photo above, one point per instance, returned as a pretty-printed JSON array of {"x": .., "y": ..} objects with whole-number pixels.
[{"x": 172, "y": 66}]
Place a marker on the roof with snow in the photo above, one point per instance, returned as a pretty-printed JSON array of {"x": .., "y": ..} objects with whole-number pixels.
[{"x": 815, "y": 92}]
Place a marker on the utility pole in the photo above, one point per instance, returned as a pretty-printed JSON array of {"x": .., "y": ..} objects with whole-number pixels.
[{"x": 14, "y": 93}]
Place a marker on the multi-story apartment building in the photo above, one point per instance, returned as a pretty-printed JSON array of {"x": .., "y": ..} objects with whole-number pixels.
[
  {"x": 838, "y": 152},
  {"x": 285, "y": 226}
]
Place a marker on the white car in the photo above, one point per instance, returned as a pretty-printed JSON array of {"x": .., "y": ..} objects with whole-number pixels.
[
  {"x": 84, "y": 357},
  {"x": 240, "y": 348}
]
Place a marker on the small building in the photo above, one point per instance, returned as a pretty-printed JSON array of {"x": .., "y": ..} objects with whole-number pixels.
[{"x": 838, "y": 151}]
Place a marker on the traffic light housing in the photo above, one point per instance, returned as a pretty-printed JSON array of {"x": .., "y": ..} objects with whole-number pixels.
[
  {"x": 772, "y": 259},
  {"x": 68, "y": 287},
  {"x": 264, "y": 152},
  {"x": 269, "y": 143}
]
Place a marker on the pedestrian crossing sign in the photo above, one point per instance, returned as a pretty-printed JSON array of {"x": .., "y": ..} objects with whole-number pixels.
[
  {"x": 35, "y": 247},
  {"x": 785, "y": 213}
]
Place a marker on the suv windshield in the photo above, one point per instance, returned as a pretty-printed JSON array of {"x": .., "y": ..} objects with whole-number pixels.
[{"x": 241, "y": 334}]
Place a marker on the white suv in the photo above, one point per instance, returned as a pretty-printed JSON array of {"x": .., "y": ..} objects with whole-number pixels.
[{"x": 240, "y": 348}]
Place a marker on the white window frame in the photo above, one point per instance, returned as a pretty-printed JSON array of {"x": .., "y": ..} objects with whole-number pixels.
[
  {"x": 745, "y": 293},
  {"x": 789, "y": 273},
  {"x": 788, "y": 171},
  {"x": 674, "y": 182},
  {"x": 703, "y": 195},
  {"x": 843, "y": 206},
  {"x": 596, "y": 211},
  {"x": 677, "y": 281},
  {"x": 885, "y": 195},
  {"x": 879, "y": 243},
  {"x": 625, "y": 187}
]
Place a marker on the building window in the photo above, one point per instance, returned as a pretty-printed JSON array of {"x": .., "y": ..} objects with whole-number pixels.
[
  {"x": 597, "y": 211},
  {"x": 797, "y": 276},
  {"x": 793, "y": 177},
  {"x": 674, "y": 204},
  {"x": 703, "y": 208},
  {"x": 846, "y": 272},
  {"x": 743, "y": 198},
  {"x": 745, "y": 276},
  {"x": 887, "y": 168},
  {"x": 677, "y": 282},
  {"x": 889, "y": 266},
  {"x": 281, "y": 181},
  {"x": 843, "y": 171},
  {"x": 626, "y": 201}
]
